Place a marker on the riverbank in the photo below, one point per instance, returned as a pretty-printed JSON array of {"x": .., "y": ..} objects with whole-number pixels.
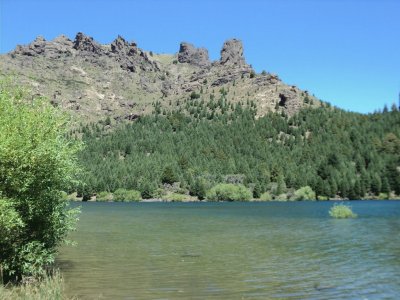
[
  {"x": 49, "y": 288},
  {"x": 195, "y": 199}
]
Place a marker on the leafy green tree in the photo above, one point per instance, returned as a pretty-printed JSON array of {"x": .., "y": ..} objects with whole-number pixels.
[
  {"x": 37, "y": 162},
  {"x": 281, "y": 188},
  {"x": 168, "y": 176},
  {"x": 199, "y": 189},
  {"x": 257, "y": 191},
  {"x": 376, "y": 184}
]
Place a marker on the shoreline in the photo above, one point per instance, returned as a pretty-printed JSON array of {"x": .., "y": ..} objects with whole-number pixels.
[{"x": 155, "y": 200}]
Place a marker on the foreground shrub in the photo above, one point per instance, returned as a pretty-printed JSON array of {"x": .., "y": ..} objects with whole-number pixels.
[
  {"x": 48, "y": 288},
  {"x": 341, "y": 211},
  {"x": 229, "y": 192},
  {"x": 37, "y": 163},
  {"x": 305, "y": 193},
  {"x": 127, "y": 195}
]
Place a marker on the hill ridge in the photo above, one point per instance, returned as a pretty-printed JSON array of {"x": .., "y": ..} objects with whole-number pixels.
[{"x": 119, "y": 79}]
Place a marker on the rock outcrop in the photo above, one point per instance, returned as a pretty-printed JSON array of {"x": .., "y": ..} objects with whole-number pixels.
[
  {"x": 86, "y": 44},
  {"x": 232, "y": 53},
  {"x": 130, "y": 57},
  {"x": 95, "y": 80},
  {"x": 290, "y": 100},
  {"x": 232, "y": 64},
  {"x": 33, "y": 49},
  {"x": 53, "y": 49},
  {"x": 192, "y": 55}
]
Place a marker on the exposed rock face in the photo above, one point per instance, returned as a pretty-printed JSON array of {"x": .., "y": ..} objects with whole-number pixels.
[
  {"x": 232, "y": 53},
  {"x": 95, "y": 80},
  {"x": 33, "y": 49},
  {"x": 232, "y": 64},
  {"x": 130, "y": 56},
  {"x": 86, "y": 43},
  {"x": 53, "y": 49},
  {"x": 289, "y": 100},
  {"x": 121, "y": 49},
  {"x": 120, "y": 46},
  {"x": 192, "y": 55}
]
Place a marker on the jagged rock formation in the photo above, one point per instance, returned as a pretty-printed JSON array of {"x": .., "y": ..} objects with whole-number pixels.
[
  {"x": 195, "y": 56},
  {"x": 52, "y": 49},
  {"x": 232, "y": 53},
  {"x": 121, "y": 80},
  {"x": 85, "y": 43},
  {"x": 130, "y": 56}
]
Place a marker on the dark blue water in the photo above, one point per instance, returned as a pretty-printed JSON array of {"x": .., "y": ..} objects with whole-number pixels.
[{"x": 291, "y": 250}]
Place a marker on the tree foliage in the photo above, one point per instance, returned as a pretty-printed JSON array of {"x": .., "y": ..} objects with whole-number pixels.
[
  {"x": 37, "y": 162},
  {"x": 205, "y": 142}
]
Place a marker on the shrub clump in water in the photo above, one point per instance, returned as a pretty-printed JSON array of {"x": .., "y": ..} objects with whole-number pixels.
[{"x": 341, "y": 211}]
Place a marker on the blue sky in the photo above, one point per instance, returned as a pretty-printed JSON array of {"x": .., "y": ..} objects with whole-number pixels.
[{"x": 346, "y": 52}]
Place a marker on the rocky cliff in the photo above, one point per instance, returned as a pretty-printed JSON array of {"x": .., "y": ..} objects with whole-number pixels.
[{"x": 122, "y": 81}]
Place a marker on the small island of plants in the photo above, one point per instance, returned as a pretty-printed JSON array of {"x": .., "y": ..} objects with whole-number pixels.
[{"x": 342, "y": 211}]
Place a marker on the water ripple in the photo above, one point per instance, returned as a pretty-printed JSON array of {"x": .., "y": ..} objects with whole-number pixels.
[{"x": 234, "y": 251}]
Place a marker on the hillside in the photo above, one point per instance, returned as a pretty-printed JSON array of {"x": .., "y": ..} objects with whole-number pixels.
[
  {"x": 122, "y": 81},
  {"x": 338, "y": 154},
  {"x": 183, "y": 125}
]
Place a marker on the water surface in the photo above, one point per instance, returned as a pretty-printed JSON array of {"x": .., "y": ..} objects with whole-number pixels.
[{"x": 234, "y": 251}]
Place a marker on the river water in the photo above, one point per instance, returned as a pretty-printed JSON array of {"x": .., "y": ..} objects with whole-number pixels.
[{"x": 234, "y": 251}]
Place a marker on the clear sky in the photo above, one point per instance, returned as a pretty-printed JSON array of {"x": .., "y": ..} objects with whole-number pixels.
[{"x": 346, "y": 52}]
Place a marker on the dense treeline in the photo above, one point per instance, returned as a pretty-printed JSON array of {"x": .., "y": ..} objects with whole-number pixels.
[{"x": 203, "y": 143}]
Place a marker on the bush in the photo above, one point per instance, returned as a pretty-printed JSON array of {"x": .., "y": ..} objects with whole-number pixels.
[
  {"x": 305, "y": 193},
  {"x": 175, "y": 197},
  {"x": 104, "y": 196},
  {"x": 341, "y": 211},
  {"x": 37, "y": 163},
  {"x": 266, "y": 197},
  {"x": 126, "y": 195},
  {"x": 194, "y": 95},
  {"x": 229, "y": 192},
  {"x": 322, "y": 198},
  {"x": 281, "y": 197},
  {"x": 383, "y": 196}
]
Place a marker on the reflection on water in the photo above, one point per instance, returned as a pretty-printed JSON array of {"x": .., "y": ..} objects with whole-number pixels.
[{"x": 234, "y": 251}]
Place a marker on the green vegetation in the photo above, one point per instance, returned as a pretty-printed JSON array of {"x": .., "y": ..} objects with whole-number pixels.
[
  {"x": 36, "y": 164},
  {"x": 206, "y": 142},
  {"x": 341, "y": 211},
  {"x": 266, "y": 197},
  {"x": 48, "y": 288},
  {"x": 175, "y": 197},
  {"x": 305, "y": 193},
  {"x": 126, "y": 195},
  {"x": 104, "y": 196},
  {"x": 229, "y": 192}
]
